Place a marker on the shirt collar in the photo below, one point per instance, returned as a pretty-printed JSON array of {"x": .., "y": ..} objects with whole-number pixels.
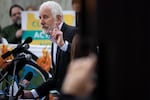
[{"x": 60, "y": 26}]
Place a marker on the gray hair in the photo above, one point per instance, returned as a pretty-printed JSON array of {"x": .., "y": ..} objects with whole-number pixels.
[{"x": 54, "y": 7}]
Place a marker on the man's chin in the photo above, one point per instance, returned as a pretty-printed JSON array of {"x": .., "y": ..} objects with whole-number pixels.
[
  {"x": 18, "y": 22},
  {"x": 45, "y": 32}
]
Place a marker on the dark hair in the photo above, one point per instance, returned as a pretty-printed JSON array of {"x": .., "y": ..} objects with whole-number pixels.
[
  {"x": 75, "y": 49},
  {"x": 13, "y": 6},
  {"x": 80, "y": 47},
  {"x": 76, "y": 1}
]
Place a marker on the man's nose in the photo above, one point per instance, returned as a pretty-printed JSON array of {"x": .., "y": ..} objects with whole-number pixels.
[
  {"x": 42, "y": 22},
  {"x": 18, "y": 16}
]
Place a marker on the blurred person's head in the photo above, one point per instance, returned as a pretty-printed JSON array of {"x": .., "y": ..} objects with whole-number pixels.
[
  {"x": 0, "y": 35},
  {"x": 90, "y": 6},
  {"x": 50, "y": 14},
  {"x": 81, "y": 46},
  {"x": 76, "y": 4},
  {"x": 77, "y": 47},
  {"x": 30, "y": 8},
  {"x": 15, "y": 13}
]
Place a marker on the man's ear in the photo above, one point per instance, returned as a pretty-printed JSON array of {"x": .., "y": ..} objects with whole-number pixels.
[{"x": 58, "y": 18}]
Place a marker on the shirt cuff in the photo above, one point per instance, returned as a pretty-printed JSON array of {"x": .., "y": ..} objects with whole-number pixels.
[
  {"x": 34, "y": 93},
  {"x": 65, "y": 46}
]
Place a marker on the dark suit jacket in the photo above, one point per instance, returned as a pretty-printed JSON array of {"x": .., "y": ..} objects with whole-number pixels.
[{"x": 62, "y": 61}]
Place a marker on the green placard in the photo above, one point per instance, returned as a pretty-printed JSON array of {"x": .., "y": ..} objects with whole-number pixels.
[{"x": 38, "y": 37}]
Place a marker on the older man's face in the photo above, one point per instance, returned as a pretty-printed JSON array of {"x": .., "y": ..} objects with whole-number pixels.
[{"x": 47, "y": 21}]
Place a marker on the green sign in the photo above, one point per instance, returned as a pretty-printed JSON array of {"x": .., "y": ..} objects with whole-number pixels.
[{"x": 38, "y": 37}]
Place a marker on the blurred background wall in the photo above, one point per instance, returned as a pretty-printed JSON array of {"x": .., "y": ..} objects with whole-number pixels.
[{"x": 5, "y": 5}]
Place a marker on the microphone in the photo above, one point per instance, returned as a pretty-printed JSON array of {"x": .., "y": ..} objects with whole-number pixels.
[
  {"x": 20, "y": 47},
  {"x": 27, "y": 40},
  {"x": 24, "y": 84},
  {"x": 23, "y": 57}
]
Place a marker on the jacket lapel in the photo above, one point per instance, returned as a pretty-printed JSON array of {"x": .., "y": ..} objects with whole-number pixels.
[{"x": 58, "y": 53}]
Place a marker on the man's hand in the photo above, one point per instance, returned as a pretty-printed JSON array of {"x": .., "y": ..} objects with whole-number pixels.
[
  {"x": 57, "y": 36},
  {"x": 79, "y": 79},
  {"x": 19, "y": 33},
  {"x": 27, "y": 95}
]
